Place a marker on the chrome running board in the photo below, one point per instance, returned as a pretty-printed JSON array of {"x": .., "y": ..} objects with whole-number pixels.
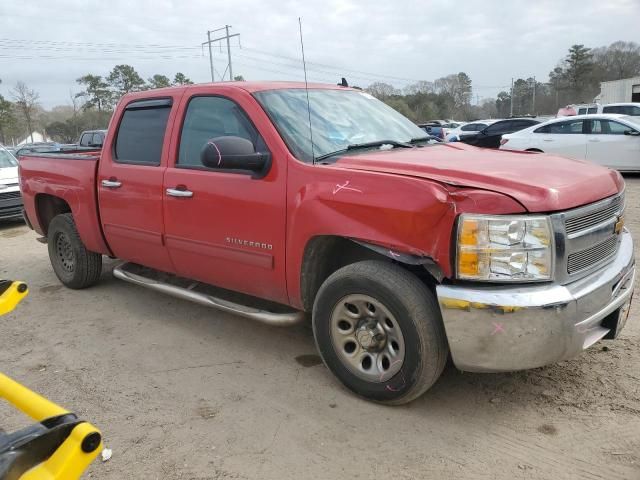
[{"x": 126, "y": 272}]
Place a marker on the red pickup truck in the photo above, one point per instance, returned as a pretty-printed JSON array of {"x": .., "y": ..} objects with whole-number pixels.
[{"x": 401, "y": 250}]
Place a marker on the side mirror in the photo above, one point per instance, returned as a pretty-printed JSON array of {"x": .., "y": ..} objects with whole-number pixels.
[
  {"x": 235, "y": 153},
  {"x": 633, "y": 133}
]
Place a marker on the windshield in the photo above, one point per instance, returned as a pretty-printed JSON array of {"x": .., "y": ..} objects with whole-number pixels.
[
  {"x": 339, "y": 118},
  {"x": 6, "y": 159}
]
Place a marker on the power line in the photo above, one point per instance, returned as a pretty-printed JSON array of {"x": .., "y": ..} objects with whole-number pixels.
[{"x": 226, "y": 37}]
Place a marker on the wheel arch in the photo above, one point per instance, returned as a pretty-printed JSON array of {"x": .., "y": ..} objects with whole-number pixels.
[
  {"x": 324, "y": 254},
  {"x": 47, "y": 207}
]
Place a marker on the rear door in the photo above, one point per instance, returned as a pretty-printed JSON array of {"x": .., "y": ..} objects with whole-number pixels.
[
  {"x": 130, "y": 178},
  {"x": 563, "y": 138},
  {"x": 225, "y": 227},
  {"x": 608, "y": 145}
]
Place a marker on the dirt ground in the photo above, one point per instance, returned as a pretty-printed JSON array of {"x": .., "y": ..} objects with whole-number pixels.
[{"x": 181, "y": 391}]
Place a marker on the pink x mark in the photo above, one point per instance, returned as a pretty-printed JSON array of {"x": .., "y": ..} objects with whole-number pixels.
[
  {"x": 345, "y": 186},
  {"x": 498, "y": 328}
]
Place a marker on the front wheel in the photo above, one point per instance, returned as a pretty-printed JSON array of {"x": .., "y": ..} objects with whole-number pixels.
[
  {"x": 74, "y": 265},
  {"x": 379, "y": 330}
]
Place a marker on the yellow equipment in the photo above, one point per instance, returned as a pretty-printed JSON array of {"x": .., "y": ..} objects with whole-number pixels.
[{"x": 59, "y": 446}]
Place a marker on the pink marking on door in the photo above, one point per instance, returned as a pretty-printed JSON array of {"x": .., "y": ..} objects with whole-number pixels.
[
  {"x": 345, "y": 186},
  {"x": 497, "y": 328}
]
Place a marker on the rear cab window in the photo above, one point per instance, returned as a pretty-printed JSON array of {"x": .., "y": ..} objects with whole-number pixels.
[{"x": 141, "y": 132}]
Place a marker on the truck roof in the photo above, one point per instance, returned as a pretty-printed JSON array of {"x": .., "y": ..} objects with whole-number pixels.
[{"x": 251, "y": 87}]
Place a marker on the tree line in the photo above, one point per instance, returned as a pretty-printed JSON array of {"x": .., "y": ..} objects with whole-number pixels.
[
  {"x": 575, "y": 79},
  {"x": 88, "y": 109}
]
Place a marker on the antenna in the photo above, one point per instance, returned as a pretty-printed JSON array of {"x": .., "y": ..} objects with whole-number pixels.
[{"x": 306, "y": 88}]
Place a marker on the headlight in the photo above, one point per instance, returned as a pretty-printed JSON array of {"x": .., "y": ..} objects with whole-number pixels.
[{"x": 504, "y": 248}]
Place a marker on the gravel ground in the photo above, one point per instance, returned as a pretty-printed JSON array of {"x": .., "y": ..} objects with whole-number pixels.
[{"x": 185, "y": 392}]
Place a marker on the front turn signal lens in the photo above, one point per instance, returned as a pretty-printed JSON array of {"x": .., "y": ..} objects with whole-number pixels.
[{"x": 504, "y": 248}]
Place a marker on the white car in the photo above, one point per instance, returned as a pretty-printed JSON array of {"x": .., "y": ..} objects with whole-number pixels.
[
  {"x": 607, "y": 139},
  {"x": 10, "y": 198},
  {"x": 470, "y": 128}
]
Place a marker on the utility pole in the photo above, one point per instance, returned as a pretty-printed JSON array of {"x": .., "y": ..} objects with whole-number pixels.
[
  {"x": 511, "y": 102},
  {"x": 533, "y": 101},
  {"x": 229, "y": 54},
  {"x": 227, "y": 37},
  {"x": 210, "y": 55}
]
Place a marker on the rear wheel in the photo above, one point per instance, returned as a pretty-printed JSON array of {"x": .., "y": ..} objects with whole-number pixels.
[
  {"x": 379, "y": 330},
  {"x": 74, "y": 265}
]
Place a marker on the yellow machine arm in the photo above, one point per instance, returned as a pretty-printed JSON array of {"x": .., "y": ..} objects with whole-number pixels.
[
  {"x": 59, "y": 446},
  {"x": 11, "y": 294}
]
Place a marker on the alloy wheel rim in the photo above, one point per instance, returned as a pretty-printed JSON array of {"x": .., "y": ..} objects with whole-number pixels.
[
  {"x": 367, "y": 338},
  {"x": 65, "y": 252}
]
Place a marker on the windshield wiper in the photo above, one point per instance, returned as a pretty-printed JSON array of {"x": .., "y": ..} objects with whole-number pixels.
[
  {"x": 426, "y": 138},
  {"x": 359, "y": 146}
]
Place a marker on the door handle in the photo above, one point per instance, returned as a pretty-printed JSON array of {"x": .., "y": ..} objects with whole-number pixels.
[
  {"x": 174, "y": 192},
  {"x": 111, "y": 183},
  {"x": 594, "y": 140},
  {"x": 547, "y": 139}
]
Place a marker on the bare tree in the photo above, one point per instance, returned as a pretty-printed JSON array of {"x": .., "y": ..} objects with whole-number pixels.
[{"x": 27, "y": 104}]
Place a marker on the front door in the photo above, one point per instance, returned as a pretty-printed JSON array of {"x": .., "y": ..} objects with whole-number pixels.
[
  {"x": 608, "y": 145},
  {"x": 225, "y": 228},
  {"x": 130, "y": 184}
]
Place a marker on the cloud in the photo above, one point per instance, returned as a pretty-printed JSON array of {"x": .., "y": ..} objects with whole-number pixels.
[{"x": 365, "y": 41}]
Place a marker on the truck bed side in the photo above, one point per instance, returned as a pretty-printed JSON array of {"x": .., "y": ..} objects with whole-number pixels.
[{"x": 61, "y": 183}]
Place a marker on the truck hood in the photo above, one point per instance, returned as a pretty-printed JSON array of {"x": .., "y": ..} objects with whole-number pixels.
[{"x": 540, "y": 182}]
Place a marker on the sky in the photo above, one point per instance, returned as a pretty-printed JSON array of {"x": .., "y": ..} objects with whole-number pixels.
[{"x": 48, "y": 44}]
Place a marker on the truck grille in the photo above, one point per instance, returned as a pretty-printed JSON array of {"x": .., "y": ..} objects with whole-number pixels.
[
  {"x": 589, "y": 257},
  {"x": 595, "y": 217},
  {"x": 590, "y": 237},
  {"x": 8, "y": 195}
]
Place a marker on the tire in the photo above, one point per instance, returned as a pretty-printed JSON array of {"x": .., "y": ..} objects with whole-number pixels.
[
  {"x": 405, "y": 313},
  {"x": 73, "y": 264}
]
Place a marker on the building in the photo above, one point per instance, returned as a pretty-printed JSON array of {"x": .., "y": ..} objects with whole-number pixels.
[{"x": 615, "y": 91}]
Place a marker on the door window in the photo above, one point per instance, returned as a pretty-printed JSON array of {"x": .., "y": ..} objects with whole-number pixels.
[
  {"x": 608, "y": 127},
  {"x": 211, "y": 117},
  {"x": 570, "y": 127},
  {"x": 623, "y": 109},
  {"x": 85, "y": 140},
  {"x": 496, "y": 128},
  {"x": 141, "y": 133}
]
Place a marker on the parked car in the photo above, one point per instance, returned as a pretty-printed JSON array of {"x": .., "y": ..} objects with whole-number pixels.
[
  {"x": 471, "y": 128},
  {"x": 606, "y": 139},
  {"x": 397, "y": 249},
  {"x": 624, "y": 108},
  {"x": 433, "y": 129},
  {"x": 92, "y": 138},
  {"x": 489, "y": 137},
  {"x": 10, "y": 198},
  {"x": 632, "y": 109}
]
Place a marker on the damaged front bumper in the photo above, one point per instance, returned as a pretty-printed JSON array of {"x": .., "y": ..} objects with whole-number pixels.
[{"x": 503, "y": 328}]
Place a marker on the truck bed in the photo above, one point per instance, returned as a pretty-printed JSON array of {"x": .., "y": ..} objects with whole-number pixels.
[{"x": 69, "y": 175}]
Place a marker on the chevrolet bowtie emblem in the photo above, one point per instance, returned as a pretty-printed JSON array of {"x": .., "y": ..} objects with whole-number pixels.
[{"x": 617, "y": 228}]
